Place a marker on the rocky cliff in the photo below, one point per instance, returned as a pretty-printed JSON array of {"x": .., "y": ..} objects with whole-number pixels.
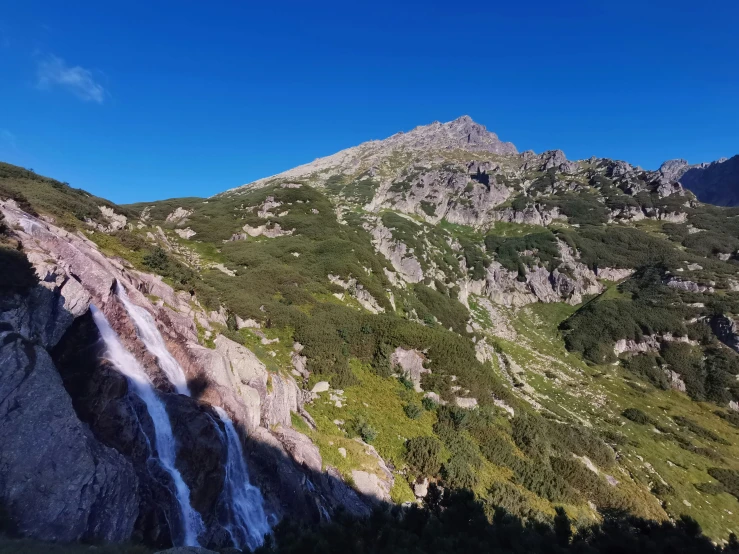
[{"x": 74, "y": 436}]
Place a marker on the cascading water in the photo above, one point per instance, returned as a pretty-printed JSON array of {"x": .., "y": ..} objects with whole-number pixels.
[
  {"x": 152, "y": 339},
  {"x": 127, "y": 364},
  {"x": 247, "y": 521}
]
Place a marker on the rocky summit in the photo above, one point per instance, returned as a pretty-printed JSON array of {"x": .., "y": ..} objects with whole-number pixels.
[{"x": 386, "y": 342}]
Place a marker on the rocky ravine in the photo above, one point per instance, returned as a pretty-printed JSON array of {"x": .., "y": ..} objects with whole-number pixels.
[{"x": 74, "y": 460}]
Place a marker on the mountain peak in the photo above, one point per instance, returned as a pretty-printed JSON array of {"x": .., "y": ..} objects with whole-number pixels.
[{"x": 462, "y": 133}]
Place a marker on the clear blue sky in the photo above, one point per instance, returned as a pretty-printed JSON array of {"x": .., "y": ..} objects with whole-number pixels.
[{"x": 141, "y": 101}]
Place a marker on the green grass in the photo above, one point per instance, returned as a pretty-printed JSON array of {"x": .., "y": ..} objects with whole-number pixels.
[{"x": 380, "y": 401}]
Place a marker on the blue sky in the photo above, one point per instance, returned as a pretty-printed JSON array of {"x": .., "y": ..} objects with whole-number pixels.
[{"x": 139, "y": 102}]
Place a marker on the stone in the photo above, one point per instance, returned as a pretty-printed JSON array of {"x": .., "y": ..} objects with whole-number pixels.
[
  {"x": 421, "y": 489},
  {"x": 370, "y": 485},
  {"x": 410, "y": 363},
  {"x": 300, "y": 448},
  {"x": 178, "y": 215},
  {"x": 342, "y": 452},
  {"x": 321, "y": 386},
  {"x": 186, "y": 233},
  {"x": 403, "y": 262},
  {"x": 468, "y": 403}
]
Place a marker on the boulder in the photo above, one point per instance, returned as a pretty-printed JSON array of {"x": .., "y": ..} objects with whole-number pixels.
[
  {"x": 321, "y": 386},
  {"x": 410, "y": 363}
]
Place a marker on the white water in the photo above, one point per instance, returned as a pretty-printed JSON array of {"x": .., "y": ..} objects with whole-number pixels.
[
  {"x": 150, "y": 336},
  {"x": 247, "y": 521},
  {"x": 125, "y": 362}
]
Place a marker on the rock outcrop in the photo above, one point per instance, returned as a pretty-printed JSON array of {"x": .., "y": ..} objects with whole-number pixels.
[
  {"x": 57, "y": 482},
  {"x": 73, "y": 411}
]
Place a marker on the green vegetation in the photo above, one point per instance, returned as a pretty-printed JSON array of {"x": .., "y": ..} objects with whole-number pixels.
[
  {"x": 454, "y": 521},
  {"x": 423, "y": 455},
  {"x": 508, "y": 250},
  {"x": 35, "y": 194}
]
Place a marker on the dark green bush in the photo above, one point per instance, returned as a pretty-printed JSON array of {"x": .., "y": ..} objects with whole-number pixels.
[
  {"x": 412, "y": 410},
  {"x": 507, "y": 250},
  {"x": 729, "y": 478},
  {"x": 423, "y": 455},
  {"x": 693, "y": 427},
  {"x": 637, "y": 416}
]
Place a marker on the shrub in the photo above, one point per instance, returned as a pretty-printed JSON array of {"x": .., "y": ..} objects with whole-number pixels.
[
  {"x": 530, "y": 434},
  {"x": 429, "y": 404},
  {"x": 646, "y": 367},
  {"x": 459, "y": 474},
  {"x": 699, "y": 430},
  {"x": 508, "y": 250},
  {"x": 130, "y": 240},
  {"x": 637, "y": 416},
  {"x": 413, "y": 411},
  {"x": 580, "y": 441},
  {"x": 359, "y": 427},
  {"x": 710, "y": 488},
  {"x": 729, "y": 478},
  {"x": 423, "y": 455}
]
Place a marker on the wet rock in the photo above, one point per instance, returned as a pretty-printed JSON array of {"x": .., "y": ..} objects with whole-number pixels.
[
  {"x": 44, "y": 446},
  {"x": 201, "y": 452}
]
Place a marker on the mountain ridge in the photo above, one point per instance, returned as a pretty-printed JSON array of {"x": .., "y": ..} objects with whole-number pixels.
[{"x": 433, "y": 311}]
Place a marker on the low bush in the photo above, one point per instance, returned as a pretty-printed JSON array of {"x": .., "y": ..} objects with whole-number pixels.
[
  {"x": 423, "y": 455},
  {"x": 412, "y": 410},
  {"x": 637, "y": 416},
  {"x": 729, "y": 478}
]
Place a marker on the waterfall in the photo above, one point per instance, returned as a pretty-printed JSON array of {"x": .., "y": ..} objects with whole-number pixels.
[
  {"x": 152, "y": 339},
  {"x": 127, "y": 364},
  {"x": 247, "y": 523}
]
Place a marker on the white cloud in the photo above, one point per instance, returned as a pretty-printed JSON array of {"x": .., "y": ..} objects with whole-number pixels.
[{"x": 54, "y": 71}]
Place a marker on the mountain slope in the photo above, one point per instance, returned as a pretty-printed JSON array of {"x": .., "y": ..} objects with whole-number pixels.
[
  {"x": 714, "y": 183},
  {"x": 444, "y": 310}
]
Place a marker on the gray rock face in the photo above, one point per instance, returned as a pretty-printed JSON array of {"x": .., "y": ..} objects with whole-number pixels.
[
  {"x": 672, "y": 170},
  {"x": 450, "y": 193},
  {"x": 461, "y": 134},
  {"x": 410, "y": 363},
  {"x": 531, "y": 215},
  {"x": 358, "y": 292},
  {"x": 726, "y": 330},
  {"x": 44, "y": 444},
  {"x": 553, "y": 158},
  {"x": 714, "y": 183},
  {"x": 568, "y": 283},
  {"x": 403, "y": 261}
]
